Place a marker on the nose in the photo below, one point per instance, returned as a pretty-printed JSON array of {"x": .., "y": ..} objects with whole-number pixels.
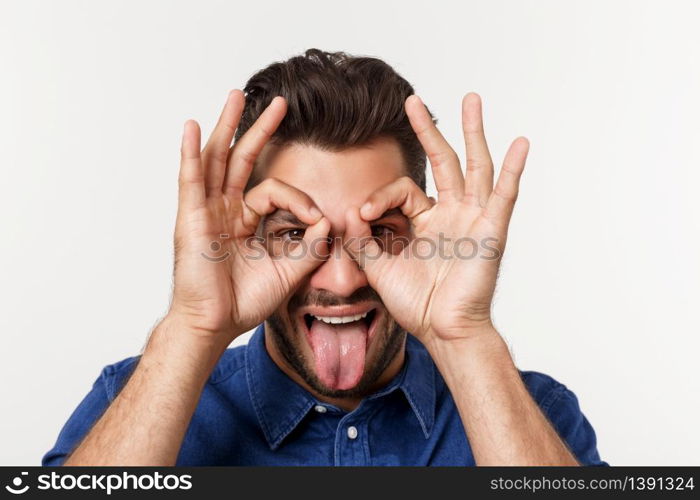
[{"x": 339, "y": 274}]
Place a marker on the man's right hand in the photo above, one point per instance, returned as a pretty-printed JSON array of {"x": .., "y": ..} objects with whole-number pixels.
[
  {"x": 225, "y": 282},
  {"x": 214, "y": 299}
]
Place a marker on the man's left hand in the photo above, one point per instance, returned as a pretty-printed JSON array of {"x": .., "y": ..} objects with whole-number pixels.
[{"x": 440, "y": 285}]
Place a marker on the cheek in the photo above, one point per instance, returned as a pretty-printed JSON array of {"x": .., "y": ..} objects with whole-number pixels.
[
  {"x": 292, "y": 329},
  {"x": 288, "y": 311},
  {"x": 381, "y": 335}
]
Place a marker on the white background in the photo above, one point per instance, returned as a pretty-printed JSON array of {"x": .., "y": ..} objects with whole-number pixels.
[{"x": 601, "y": 279}]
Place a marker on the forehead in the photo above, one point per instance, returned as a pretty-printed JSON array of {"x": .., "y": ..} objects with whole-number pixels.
[{"x": 335, "y": 180}]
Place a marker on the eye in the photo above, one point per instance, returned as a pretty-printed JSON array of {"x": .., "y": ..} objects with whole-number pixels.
[
  {"x": 295, "y": 234},
  {"x": 379, "y": 231}
]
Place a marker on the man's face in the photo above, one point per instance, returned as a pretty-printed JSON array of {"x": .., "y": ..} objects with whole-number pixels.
[{"x": 315, "y": 331}]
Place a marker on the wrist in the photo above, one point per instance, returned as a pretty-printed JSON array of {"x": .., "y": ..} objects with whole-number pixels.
[
  {"x": 188, "y": 350},
  {"x": 471, "y": 332},
  {"x": 474, "y": 345},
  {"x": 200, "y": 328},
  {"x": 474, "y": 361}
]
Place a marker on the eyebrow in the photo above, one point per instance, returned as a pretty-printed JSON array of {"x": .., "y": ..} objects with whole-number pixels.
[{"x": 281, "y": 216}]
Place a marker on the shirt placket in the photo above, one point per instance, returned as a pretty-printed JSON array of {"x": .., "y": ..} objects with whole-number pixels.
[{"x": 351, "y": 439}]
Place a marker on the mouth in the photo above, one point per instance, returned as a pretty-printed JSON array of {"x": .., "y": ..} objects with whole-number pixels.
[
  {"x": 339, "y": 338},
  {"x": 366, "y": 318}
]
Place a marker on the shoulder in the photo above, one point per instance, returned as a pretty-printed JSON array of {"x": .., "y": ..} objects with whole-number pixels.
[
  {"x": 115, "y": 375},
  {"x": 561, "y": 406},
  {"x": 231, "y": 362},
  {"x": 544, "y": 389}
]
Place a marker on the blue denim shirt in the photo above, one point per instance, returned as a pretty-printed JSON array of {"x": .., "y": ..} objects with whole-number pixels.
[{"x": 251, "y": 413}]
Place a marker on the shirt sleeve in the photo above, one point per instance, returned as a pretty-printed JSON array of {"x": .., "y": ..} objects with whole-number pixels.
[
  {"x": 88, "y": 412},
  {"x": 561, "y": 407}
]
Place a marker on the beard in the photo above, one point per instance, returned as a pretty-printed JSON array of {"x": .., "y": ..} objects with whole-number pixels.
[{"x": 389, "y": 339}]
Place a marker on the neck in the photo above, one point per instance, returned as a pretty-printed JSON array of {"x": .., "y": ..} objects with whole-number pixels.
[{"x": 345, "y": 403}]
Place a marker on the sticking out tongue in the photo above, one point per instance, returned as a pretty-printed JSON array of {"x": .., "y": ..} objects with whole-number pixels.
[{"x": 340, "y": 352}]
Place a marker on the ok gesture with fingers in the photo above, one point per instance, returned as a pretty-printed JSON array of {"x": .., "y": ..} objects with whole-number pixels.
[
  {"x": 442, "y": 283},
  {"x": 225, "y": 281}
]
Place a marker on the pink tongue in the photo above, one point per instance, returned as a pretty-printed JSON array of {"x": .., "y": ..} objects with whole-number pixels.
[{"x": 340, "y": 352}]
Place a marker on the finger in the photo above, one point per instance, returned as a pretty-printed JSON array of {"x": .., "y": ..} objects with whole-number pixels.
[
  {"x": 247, "y": 149},
  {"x": 191, "y": 178},
  {"x": 364, "y": 249},
  {"x": 402, "y": 193},
  {"x": 447, "y": 173},
  {"x": 502, "y": 200},
  {"x": 479, "y": 179},
  {"x": 308, "y": 254},
  {"x": 215, "y": 154},
  {"x": 272, "y": 194}
]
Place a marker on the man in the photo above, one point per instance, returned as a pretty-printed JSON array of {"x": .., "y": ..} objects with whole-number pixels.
[{"x": 315, "y": 227}]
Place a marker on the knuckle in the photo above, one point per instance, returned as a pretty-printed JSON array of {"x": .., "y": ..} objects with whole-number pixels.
[
  {"x": 506, "y": 194},
  {"x": 219, "y": 155},
  {"x": 443, "y": 156},
  {"x": 265, "y": 131},
  {"x": 227, "y": 127},
  {"x": 184, "y": 180},
  {"x": 475, "y": 163},
  {"x": 244, "y": 155},
  {"x": 271, "y": 184},
  {"x": 406, "y": 182}
]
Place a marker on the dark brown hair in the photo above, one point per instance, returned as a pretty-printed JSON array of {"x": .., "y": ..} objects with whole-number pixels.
[{"x": 336, "y": 101}]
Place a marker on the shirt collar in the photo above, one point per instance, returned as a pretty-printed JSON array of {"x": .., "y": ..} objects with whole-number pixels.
[{"x": 280, "y": 403}]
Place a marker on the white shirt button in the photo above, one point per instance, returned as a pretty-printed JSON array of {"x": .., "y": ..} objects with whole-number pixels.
[
  {"x": 352, "y": 432},
  {"x": 320, "y": 408}
]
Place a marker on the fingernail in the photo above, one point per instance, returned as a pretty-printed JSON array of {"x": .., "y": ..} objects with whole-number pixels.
[
  {"x": 365, "y": 208},
  {"x": 315, "y": 212}
]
